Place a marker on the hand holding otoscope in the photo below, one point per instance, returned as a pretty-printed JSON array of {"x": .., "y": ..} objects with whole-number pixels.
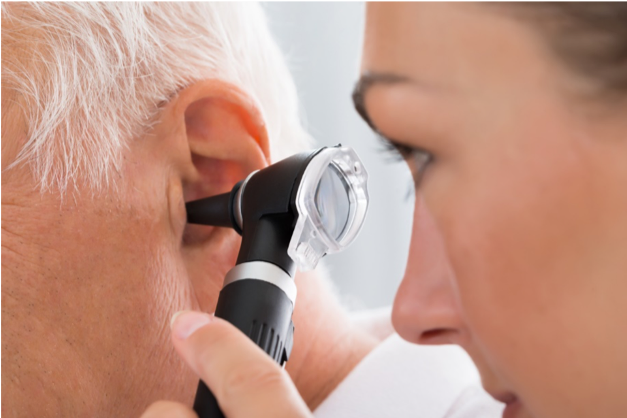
[{"x": 290, "y": 214}]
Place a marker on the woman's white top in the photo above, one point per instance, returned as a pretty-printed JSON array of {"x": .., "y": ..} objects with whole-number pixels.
[{"x": 399, "y": 379}]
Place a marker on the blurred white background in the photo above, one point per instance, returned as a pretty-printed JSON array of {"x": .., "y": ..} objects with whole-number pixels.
[{"x": 322, "y": 42}]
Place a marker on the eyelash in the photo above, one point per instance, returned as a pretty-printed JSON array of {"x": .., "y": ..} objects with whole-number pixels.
[{"x": 416, "y": 158}]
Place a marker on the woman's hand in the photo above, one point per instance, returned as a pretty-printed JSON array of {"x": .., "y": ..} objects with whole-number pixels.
[{"x": 245, "y": 380}]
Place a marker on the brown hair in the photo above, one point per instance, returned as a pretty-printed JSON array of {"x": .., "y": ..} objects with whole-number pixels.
[{"x": 589, "y": 38}]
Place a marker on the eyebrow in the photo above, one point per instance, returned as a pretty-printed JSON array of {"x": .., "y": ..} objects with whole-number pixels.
[{"x": 365, "y": 82}]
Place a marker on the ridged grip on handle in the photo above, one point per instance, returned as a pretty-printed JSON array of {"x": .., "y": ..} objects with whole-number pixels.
[{"x": 263, "y": 312}]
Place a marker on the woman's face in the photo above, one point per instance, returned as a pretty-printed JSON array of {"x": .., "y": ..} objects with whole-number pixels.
[{"x": 519, "y": 250}]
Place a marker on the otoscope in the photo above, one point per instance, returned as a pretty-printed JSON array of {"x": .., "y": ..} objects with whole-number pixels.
[{"x": 290, "y": 214}]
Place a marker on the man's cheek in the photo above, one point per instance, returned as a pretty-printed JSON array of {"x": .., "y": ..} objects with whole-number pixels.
[{"x": 169, "y": 283}]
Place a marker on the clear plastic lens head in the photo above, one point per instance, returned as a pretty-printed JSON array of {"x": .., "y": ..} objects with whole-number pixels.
[{"x": 332, "y": 201}]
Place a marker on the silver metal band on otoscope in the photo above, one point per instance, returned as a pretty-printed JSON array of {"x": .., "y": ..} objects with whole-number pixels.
[
  {"x": 239, "y": 218},
  {"x": 267, "y": 272}
]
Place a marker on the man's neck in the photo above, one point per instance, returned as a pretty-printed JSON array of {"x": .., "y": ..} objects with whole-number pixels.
[{"x": 326, "y": 345}]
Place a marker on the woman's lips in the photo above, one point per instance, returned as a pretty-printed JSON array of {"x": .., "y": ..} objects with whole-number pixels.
[
  {"x": 512, "y": 404},
  {"x": 512, "y": 409}
]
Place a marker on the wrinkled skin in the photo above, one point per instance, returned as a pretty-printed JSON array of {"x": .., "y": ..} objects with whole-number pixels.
[{"x": 91, "y": 280}]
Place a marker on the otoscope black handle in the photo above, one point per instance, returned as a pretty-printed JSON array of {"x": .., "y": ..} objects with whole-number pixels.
[{"x": 263, "y": 312}]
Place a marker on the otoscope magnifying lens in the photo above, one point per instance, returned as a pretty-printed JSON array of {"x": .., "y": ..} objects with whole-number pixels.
[{"x": 332, "y": 201}]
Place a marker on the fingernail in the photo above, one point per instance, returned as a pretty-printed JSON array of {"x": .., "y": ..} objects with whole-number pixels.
[{"x": 185, "y": 323}]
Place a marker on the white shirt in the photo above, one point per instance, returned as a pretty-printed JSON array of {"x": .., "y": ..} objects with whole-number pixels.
[{"x": 399, "y": 379}]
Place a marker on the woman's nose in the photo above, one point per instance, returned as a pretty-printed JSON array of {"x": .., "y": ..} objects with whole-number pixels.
[{"x": 426, "y": 310}]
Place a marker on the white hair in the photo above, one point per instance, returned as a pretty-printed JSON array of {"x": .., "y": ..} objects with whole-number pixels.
[{"x": 91, "y": 76}]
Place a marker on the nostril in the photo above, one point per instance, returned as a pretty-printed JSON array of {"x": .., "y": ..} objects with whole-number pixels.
[{"x": 437, "y": 336}]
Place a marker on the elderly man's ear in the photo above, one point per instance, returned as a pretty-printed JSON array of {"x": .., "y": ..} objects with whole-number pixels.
[
  {"x": 221, "y": 137},
  {"x": 213, "y": 136}
]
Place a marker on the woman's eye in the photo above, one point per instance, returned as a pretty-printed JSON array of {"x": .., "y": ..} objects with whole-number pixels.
[{"x": 416, "y": 158}]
